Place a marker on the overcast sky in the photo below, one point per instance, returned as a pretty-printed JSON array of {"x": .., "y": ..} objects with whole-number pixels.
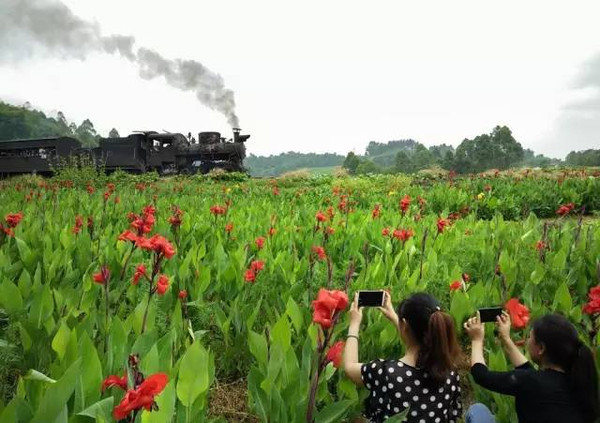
[{"x": 330, "y": 76}]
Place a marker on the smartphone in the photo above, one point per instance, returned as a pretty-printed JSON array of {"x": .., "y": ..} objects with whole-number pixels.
[
  {"x": 370, "y": 298},
  {"x": 489, "y": 314}
]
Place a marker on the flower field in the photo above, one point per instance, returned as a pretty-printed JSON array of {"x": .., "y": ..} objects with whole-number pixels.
[{"x": 124, "y": 299}]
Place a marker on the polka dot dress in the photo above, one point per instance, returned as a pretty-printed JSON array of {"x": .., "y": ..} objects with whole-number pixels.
[{"x": 395, "y": 386}]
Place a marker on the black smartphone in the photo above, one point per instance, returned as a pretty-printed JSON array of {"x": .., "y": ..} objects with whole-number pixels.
[
  {"x": 489, "y": 314},
  {"x": 370, "y": 298}
]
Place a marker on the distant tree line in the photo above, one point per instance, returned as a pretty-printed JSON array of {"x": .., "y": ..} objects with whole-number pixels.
[
  {"x": 22, "y": 122},
  {"x": 583, "y": 158},
  {"x": 496, "y": 150},
  {"x": 275, "y": 165}
]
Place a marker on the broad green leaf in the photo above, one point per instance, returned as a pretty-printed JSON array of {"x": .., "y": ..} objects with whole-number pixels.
[
  {"x": 295, "y": 314},
  {"x": 11, "y": 298},
  {"x": 56, "y": 396},
  {"x": 460, "y": 308},
  {"x": 35, "y": 375},
  {"x": 42, "y": 306},
  {"x": 16, "y": 411},
  {"x": 333, "y": 412},
  {"x": 61, "y": 340},
  {"x": 258, "y": 347},
  {"x": 281, "y": 333},
  {"x": 90, "y": 376},
  {"x": 562, "y": 299},
  {"x": 193, "y": 377},
  {"x": 100, "y": 409}
]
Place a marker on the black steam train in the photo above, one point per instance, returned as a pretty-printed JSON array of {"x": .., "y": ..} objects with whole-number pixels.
[{"x": 166, "y": 153}]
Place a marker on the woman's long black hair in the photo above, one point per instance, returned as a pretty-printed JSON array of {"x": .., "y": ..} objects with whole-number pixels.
[
  {"x": 435, "y": 333},
  {"x": 564, "y": 349}
]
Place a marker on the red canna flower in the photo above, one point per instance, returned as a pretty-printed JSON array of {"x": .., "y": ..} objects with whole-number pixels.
[
  {"x": 376, "y": 211},
  {"x": 326, "y": 305},
  {"x": 128, "y": 236},
  {"x": 143, "y": 224},
  {"x": 385, "y": 231},
  {"x": 330, "y": 212},
  {"x": 110, "y": 186},
  {"x": 139, "y": 272},
  {"x": 120, "y": 382},
  {"x": 275, "y": 191},
  {"x": 90, "y": 189},
  {"x": 218, "y": 210},
  {"x": 455, "y": 286},
  {"x": 405, "y": 203},
  {"x": 13, "y": 219},
  {"x": 329, "y": 230},
  {"x": 149, "y": 210},
  {"x": 162, "y": 285},
  {"x": 540, "y": 245},
  {"x": 441, "y": 224},
  {"x": 158, "y": 244},
  {"x": 257, "y": 265},
  {"x": 250, "y": 275},
  {"x": 117, "y": 199},
  {"x": 78, "y": 224},
  {"x": 106, "y": 195},
  {"x": 260, "y": 242},
  {"x": 335, "y": 354},
  {"x": 229, "y": 227},
  {"x": 141, "y": 397},
  {"x": 182, "y": 294},
  {"x": 565, "y": 209},
  {"x": 103, "y": 276},
  {"x": 421, "y": 202},
  {"x": 593, "y": 305},
  {"x": 487, "y": 188},
  {"x": 320, "y": 252},
  {"x": 466, "y": 277},
  {"x": 519, "y": 313},
  {"x": 320, "y": 216},
  {"x": 403, "y": 234}
]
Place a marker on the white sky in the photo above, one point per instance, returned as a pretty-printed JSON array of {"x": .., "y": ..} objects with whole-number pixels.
[{"x": 330, "y": 76}]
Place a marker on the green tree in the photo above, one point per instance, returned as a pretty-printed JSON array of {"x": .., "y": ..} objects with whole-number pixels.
[
  {"x": 87, "y": 133},
  {"x": 351, "y": 163},
  {"x": 448, "y": 160},
  {"x": 113, "y": 133},
  {"x": 403, "y": 163},
  {"x": 499, "y": 149},
  {"x": 422, "y": 158},
  {"x": 367, "y": 166}
]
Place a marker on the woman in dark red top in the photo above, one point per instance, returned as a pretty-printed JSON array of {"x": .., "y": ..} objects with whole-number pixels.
[{"x": 564, "y": 389}]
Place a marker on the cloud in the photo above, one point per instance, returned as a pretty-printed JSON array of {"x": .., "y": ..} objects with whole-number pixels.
[{"x": 578, "y": 125}]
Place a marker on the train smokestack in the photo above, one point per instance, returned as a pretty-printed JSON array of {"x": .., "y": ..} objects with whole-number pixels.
[{"x": 236, "y": 134}]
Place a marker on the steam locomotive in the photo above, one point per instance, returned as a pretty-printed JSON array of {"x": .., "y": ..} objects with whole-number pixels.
[{"x": 166, "y": 153}]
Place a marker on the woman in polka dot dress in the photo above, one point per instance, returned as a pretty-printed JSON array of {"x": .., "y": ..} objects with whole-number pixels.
[{"x": 424, "y": 380}]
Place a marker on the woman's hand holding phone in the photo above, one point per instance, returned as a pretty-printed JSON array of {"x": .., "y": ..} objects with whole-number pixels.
[
  {"x": 388, "y": 309},
  {"x": 503, "y": 325},
  {"x": 355, "y": 315}
]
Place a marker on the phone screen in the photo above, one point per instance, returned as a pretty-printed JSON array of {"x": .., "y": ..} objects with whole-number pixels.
[
  {"x": 370, "y": 298},
  {"x": 489, "y": 314}
]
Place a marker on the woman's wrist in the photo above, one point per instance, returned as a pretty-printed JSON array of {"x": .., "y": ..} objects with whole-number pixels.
[{"x": 353, "y": 329}]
